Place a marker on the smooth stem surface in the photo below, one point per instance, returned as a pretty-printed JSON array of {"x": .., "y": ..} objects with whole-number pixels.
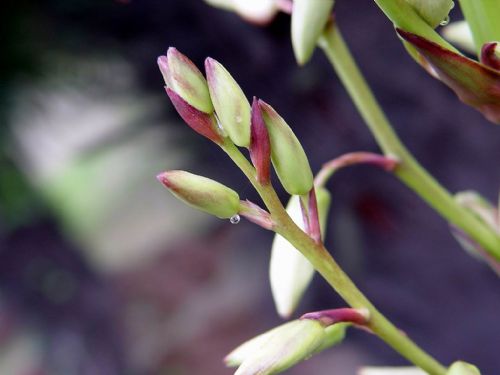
[
  {"x": 408, "y": 169},
  {"x": 323, "y": 262}
]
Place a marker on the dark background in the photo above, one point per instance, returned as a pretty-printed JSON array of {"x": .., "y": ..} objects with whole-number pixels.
[{"x": 103, "y": 272}]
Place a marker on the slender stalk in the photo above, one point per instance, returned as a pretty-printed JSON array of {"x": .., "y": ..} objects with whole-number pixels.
[
  {"x": 323, "y": 262},
  {"x": 408, "y": 170}
]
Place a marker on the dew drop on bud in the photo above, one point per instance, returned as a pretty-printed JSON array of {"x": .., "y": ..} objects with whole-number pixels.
[
  {"x": 238, "y": 119},
  {"x": 235, "y": 219},
  {"x": 446, "y": 21}
]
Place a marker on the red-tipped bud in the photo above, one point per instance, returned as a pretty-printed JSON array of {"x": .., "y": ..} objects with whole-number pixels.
[
  {"x": 288, "y": 156},
  {"x": 230, "y": 103},
  {"x": 490, "y": 55},
  {"x": 202, "y": 193},
  {"x": 260, "y": 148},
  {"x": 183, "y": 77},
  {"x": 201, "y": 122},
  {"x": 345, "y": 315}
]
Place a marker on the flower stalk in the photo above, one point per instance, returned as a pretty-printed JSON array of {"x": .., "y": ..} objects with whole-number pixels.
[
  {"x": 408, "y": 169},
  {"x": 323, "y": 262}
]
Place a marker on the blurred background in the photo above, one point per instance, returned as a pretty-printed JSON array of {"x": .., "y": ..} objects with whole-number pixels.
[{"x": 102, "y": 271}]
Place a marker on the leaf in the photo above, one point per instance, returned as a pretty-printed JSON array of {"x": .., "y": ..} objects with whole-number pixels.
[{"x": 474, "y": 83}]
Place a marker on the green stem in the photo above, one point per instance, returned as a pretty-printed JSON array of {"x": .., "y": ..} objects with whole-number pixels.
[
  {"x": 323, "y": 262},
  {"x": 408, "y": 170}
]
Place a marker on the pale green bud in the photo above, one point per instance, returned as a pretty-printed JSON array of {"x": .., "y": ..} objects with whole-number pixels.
[
  {"x": 202, "y": 193},
  {"x": 231, "y": 105},
  {"x": 292, "y": 343},
  {"x": 463, "y": 368},
  {"x": 184, "y": 78},
  {"x": 309, "y": 18},
  {"x": 288, "y": 156},
  {"x": 432, "y": 11},
  {"x": 290, "y": 272},
  {"x": 245, "y": 350},
  {"x": 334, "y": 335}
]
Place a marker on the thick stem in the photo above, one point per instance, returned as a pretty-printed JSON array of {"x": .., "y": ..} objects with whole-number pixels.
[
  {"x": 408, "y": 170},
  {"x": 323, "y": 262}
]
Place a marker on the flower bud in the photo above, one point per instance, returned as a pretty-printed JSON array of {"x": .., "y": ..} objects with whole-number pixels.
[
  {"x": 432, "y": 11},
  {"x": 490, "y": 55},
  {"x": 183, "y": 77},
  {"x": 290, "y": 272},
  {"x": 245, "y": 350},
  {"x": 463, "y": 368},
  {"x": 308, "y": 21},
  {"x": 260, "y": 148},
  {"x": 202, "y": 193},
  {"x": 288, "y": 156},
  {"x": 231, "y": 105},
  {"x": 201, "y": 122},
  {"x": 334, "y": 335},
  {"x": 288, "y": 345}
]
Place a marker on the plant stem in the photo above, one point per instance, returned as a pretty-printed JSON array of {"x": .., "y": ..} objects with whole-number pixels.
[
  {"x": 323, "y": 262},
  {"x": 408, "y": 170}
]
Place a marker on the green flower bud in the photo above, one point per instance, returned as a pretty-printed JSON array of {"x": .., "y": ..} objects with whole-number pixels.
[
  {"x": 432, "y": 11},
  {"x": 288, "y": 345},
  {"x": 231, "y": 105},
  {"x": 490, "y": 55},
  {"x": 183, "y": 77},
  {"x": 334, "y": 335},
  {"x": 202, "y": 193},
  {"x": 463, "y": 368},
  {"x": 309, "y": 18},
  {"x": 288, "y": 156},
  {"x": 290, "y": 273},
  {"x": 245, "y": 350}
]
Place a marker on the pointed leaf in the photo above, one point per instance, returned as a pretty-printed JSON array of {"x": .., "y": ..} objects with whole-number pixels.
[{"x": 475, "y": 84}]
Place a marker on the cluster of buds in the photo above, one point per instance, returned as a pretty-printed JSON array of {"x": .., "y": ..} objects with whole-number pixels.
[{"x": 217, "y": 108}]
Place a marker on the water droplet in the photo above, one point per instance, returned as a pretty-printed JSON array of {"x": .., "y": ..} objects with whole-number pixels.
[
  {"x": 235, "y": 219},
  {"x": 238, "y": 119},
  {"x": 446, "y": 21}
]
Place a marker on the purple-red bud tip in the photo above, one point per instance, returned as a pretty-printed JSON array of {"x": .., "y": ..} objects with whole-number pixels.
[
  {"x": 200, "y": 122},
  {"x": 342, "y": 315},
  {"x": 489, "y": 56},
  {"x": 163, "y": 179},
  {"x": 260, "y": 147}
]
